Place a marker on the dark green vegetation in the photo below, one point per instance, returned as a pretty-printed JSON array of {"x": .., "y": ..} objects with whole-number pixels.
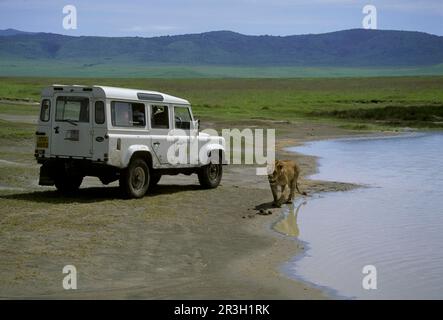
[
  {"x": 417, "y": 116},
  {"x": 355, "y": 103},
  {"x": 223, "y": 54}
]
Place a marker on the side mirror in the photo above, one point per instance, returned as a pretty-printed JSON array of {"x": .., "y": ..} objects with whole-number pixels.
[{"x": 196, "y": 124}]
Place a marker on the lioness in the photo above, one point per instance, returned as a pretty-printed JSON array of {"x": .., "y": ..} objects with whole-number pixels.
[{"x": 285, "y": 173}]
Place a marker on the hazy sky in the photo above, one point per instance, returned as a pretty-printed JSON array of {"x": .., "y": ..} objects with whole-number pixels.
[{"x": 162, "y": 17}]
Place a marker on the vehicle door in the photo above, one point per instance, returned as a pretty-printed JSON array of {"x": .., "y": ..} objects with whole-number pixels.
[
  {"x": 161, "y": 137},
  {"x": 71, "y": 127},
  {"x": 99, "y": 142},
  {"x": 185, "y": 143}
]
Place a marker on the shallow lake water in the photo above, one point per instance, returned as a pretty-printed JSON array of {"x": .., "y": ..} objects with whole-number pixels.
[{"x": 394, "y": 223}]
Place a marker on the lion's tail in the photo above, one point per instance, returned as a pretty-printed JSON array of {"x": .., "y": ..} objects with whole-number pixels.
[{"x": 302, "y": 193}]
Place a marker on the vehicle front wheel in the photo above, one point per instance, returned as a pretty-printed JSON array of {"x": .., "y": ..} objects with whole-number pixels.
[
  {"x": 68, "y": 184},
  {"x": 134, "y": 180},
  {"x": 210, "y": 175}
]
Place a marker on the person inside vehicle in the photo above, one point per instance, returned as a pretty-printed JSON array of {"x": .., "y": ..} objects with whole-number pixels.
[
  {"x": 138, "y": 115},
  {"x": 160, "y": 117},
  {"x": 122, "y": 116}
]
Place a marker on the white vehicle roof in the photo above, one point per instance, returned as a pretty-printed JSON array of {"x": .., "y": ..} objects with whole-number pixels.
[{"x": 115, "y": 93}]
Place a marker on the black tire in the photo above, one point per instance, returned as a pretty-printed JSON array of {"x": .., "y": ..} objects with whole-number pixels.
[
  {"x": 134, "y": 180},
  {"x": 68, "y": 184},
  {"x": 210, "y": 175},
  {"x": 154, "y": 180}
]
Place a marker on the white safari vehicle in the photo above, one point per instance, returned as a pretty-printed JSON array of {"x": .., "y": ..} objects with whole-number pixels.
[{"x": 120, "y": 134}]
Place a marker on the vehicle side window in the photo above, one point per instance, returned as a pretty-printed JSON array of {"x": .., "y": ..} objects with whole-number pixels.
[
  {"x": 45, "y": 110},
  {"x": 127, "y": 114},
  {"x": 182, "y": 118},
  {"x": 99, "y": 112},
  {"x": 159, "y": 117}
]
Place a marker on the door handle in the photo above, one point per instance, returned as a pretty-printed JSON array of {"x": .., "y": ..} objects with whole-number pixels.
[
  {"x": 156, "y": 143},
  {"x": 56, "y": 129}
]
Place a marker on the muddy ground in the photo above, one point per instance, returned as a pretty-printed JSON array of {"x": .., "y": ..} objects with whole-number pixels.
[{"x": 178, "y": 242}]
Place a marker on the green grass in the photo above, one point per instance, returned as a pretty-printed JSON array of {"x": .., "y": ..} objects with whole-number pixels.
[
  {"x": 19, "y": 109},
  {"x": 356, "y": 101},
  {"x": 15, "y": 130},
  {"x": 73, "y": 68}
]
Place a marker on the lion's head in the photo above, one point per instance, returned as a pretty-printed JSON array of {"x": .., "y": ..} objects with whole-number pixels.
[{"x": 276, "y": 171}]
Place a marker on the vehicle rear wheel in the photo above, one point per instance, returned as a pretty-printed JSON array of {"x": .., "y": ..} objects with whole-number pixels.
[
  {"x": 68, "y": 184},
  {"x": 210, "y": 175},
  {"x": 134, "y": 180}
]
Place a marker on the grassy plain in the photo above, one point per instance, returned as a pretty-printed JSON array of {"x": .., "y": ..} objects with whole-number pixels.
[
  {"x": 10, "y": 66},
  {"x": 358, "y": 103}
]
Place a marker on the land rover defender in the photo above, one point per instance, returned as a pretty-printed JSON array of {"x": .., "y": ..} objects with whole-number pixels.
[{"x": 121, "y": 134}]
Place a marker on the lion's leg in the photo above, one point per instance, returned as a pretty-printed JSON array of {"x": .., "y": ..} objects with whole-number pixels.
[
  {"x": 274, "y": 189},
  {"x": 297, "y": 174},
  {"x": 292, "y": 191},
  {"x": 282, "y": 196}
]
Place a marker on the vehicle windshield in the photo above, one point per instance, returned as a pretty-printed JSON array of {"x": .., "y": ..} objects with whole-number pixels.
[{"x": 72, "y": 109}]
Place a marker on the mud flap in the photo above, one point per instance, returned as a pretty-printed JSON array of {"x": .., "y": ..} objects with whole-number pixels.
[{"x": 45, "y": 177}]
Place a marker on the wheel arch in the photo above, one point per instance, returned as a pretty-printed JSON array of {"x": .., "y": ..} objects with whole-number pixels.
[
  {"x": 215, "y": 152},
  {"x": 138, "y": 151}
]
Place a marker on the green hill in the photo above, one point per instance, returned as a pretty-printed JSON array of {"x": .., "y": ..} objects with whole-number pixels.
[{"x": 357, "y": 49}]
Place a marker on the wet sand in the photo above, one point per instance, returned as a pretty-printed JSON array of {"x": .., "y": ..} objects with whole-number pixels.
[{"x": 180, "y": 242}]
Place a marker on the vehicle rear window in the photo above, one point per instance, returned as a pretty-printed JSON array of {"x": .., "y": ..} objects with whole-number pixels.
[
  {"x": 72, "y": 109},
  {"x": 128, "y": 114},
  {"x": 45, "y": 110},
  {"x": 99, "y": 112}
]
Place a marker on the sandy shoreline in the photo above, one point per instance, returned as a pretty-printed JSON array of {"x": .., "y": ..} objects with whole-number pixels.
[{"x": 180, "y": 242}]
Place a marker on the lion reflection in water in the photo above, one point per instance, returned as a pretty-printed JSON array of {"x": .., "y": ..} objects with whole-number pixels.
[{"x": 289, "y": 225}]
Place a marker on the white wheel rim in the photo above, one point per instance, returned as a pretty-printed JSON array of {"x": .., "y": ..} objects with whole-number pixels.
[{"x": 138, "y": 178}]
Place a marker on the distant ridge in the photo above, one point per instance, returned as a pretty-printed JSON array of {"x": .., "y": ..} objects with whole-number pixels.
[
  {"x": 13, "y": 32},
  {"x": 348, "y": 48}
]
